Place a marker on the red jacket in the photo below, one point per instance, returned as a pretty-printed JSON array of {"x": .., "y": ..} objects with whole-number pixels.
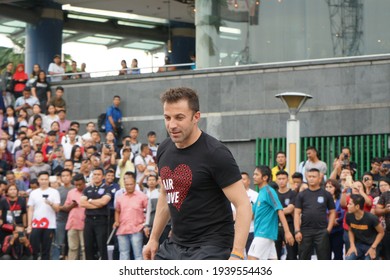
[{"x": 20, "y": 78}]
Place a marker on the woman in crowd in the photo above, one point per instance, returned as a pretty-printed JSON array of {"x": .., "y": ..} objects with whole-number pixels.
[
  {"x": 336, "y": 235},
  {"x": 19, "y": 81},
  {"x": 10, "y": 122},
  {"x": 50, "y": 118},
  {"x": 41, "y": 90},
  {"x": 36, "y": 128},
  {"x": 34, "y": 74},
  {"x": 76, "y": 155},
  {"x": 125, "y": 69},
  {"x": 22, "y": 117}
]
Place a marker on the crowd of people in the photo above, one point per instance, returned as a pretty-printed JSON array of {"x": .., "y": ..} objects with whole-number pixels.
[{"x": 70, "y": 196}]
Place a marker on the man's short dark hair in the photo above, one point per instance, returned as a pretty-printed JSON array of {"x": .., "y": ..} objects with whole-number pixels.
[
  {"x": 174, "y": 95},
  {"x": 297, "y": 175},
  {"x": 110, "y": 171},
  {"x": 151, "y": 133},
  {"x": 244, "y": 173},
  {"x": 60, "y": 88},
  {"x": 281, "y": 152},
  {"x": 129, "y": 173},
  {"x": 116, "y": 96},
  {"x": 265, "y": 171},
  {"x": 66, "y": 170},
  {"x": 98, "y": 168},
  {"x": 79, "y": 177},
  {"x": 75, "y": 123},
  {"x": 312, "y": 148},
  {"x": 2, "y": 182},
  {"x": 143, "y": 146},
  {"x": 358, "y": 200},
  {"x": 282, "y": 172},
  {"x": 43, "y": 173},
  {"x": 376, "y": 160},
  {"x": 153, "y": 175},
  {"x": 134, "y": 128},
  {"x": 92, "y": 147},
  {"x": 90, "y": 123},
  {"x": 314, "y": 170}
]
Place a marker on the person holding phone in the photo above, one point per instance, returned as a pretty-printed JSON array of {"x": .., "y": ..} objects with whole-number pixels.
[
  {"x": 43, "y": 203},
  {"x": 17, "y": 246}
]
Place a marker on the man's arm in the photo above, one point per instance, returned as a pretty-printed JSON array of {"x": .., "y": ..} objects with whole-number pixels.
[
  {"x": 100, "y": 202},
  {"x": 332, "y": 218},
  {"x": 297, "y": 224},
  {"x": 381, "y": 233},
  {"x": 85, "y": 203},
  {"x": 237, "y": 195},
  {"x": 30, "y": 212},
  {"x": 287, "y": 234},
  {"x": 160, "y": 221}
]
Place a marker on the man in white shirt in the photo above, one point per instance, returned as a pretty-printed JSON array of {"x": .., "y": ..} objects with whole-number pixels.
[
  {"x": 56, "y": 69},
  {"x": 142, "y": 161},
  {"x": 43, "y": 204}
]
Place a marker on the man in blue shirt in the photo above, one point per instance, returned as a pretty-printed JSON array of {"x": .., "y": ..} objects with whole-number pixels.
[
  {"x": 266, "y": 211},
  {"x": 114, "y": 117}
]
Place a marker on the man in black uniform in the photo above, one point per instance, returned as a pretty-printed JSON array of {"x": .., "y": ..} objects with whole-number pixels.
[
  {"x": 313, "y": 228},
  {"x": 199, "y": 180},
  {"x": 287, "y": 199},
  {"x": 95, "y": 200}
]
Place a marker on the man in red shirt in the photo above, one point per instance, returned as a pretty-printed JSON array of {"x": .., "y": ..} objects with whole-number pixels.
[{"x": 130, "y": 219}]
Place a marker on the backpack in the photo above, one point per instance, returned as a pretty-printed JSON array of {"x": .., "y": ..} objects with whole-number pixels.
[{"x": 101, "y": 122}]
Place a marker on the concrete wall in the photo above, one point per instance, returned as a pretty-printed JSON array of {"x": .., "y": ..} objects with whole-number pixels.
[{"x": 351, "y": 96}]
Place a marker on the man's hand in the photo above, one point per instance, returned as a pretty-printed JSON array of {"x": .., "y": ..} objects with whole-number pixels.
[
  {"x": 372, "y": 253},
  {"x": 289, "y": 238},
  {"x": 351, "y": 250},
  {"x": 298, "y": 237},
  {"x": 150, "y": 250}
]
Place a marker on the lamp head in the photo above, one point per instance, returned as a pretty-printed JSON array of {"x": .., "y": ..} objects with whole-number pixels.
[{"x": 294, "y": 101}]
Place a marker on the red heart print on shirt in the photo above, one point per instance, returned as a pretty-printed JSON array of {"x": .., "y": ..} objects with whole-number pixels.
[
  {"x": 42, "y": 223},
  {"x": 177, "y": 183}
]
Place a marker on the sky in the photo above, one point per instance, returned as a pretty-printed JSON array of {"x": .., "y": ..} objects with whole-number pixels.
[{"x": 99, "y": 58}]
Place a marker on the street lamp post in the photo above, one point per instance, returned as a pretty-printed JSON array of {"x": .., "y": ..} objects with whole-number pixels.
[{"x": 294, "y": 101}]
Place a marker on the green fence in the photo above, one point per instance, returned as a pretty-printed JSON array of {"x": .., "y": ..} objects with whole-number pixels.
[{"x": 363, "y": 147}]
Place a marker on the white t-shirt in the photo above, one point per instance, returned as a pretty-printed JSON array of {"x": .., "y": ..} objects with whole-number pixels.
[
  {"x": 44, "y": 216},
  {"x": 139, "y": 160},
  {"x": 252, "y": 195},
  {"x": 56, "y": 69}
]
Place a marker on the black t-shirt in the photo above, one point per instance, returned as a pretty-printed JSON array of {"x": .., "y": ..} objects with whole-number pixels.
[
  {"x": 41, "y": 90},
  {"x": 286, "y": 199},
  {"x": 363, "y": 229},
  {"x": 384, "y": 200},
  {"x": 314, "y": 205},
  {"x": 19, "y": 209},
  {"x": 93, "y": 192},
  {"x": 193, "y": 178}
]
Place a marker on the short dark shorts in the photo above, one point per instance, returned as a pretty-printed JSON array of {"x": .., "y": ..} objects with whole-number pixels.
[{"x": 172, "y": 251}]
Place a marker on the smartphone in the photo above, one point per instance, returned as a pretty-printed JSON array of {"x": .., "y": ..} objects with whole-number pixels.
[
  {"x": 53, "y": 179},
  {"x": 127, "y": 143},
  {"x": 107, "y": 146},
  {"x": 349, "y": 179},
  {"x": 21, "y": 234},
  {"x": 150, "y": 168}
]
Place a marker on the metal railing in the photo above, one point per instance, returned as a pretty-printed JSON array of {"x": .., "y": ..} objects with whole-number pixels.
[
  {"x": 115, "y": 72},
  {"x": 363, "y": 147}
]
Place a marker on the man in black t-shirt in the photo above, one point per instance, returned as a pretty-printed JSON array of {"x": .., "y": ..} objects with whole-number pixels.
[
  {"x": 199, "y": 180},
  {"x": 383, "y": 209},
  {"x": 365, "y": 232},
  {"x": 95, "y": 200},
  {"x": 287, "y": 199},
  {"x": 313, "y": 227}
]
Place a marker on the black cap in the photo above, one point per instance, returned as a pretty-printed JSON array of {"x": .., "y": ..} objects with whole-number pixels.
[
  {"x": 51, "y": 133},
  {"x": 27, "y": 89}
]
